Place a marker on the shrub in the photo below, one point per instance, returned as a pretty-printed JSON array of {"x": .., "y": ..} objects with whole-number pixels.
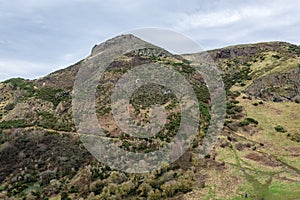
[
  {"x": 244, "y": 123},
  {"x": 185, "y": 182},
  {"x": 154, "y": 195},
  {"x": 169, "y": 188},
  {"x": 19, "y": 83},
  {"x": 251, "y": 120},
  {"x": 64, "y": 196},
  {"x": 19, "y": 123},
  {"x": 74, "y": 189},
  {"x": 52, "y": 95},
  {"x": 276, "y": 56},
  {"x": 295, "y": 137},
  {"x": 235, "y": 101},
  {"x": 126, "y": 144},
  {"x": 9, "y": 106},
  {"x": 238, "y": 109},
  {"x": 104, "y": 110},
  {"x": 144, "y": 189},
  {"x": 280, "y": 129},
  {"x": 204, "y": 111}
]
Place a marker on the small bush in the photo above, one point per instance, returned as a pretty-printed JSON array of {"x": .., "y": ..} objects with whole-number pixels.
[
  {"x": 280, "y": 129},
  {"x": 235, "y": 101},
  {"x": 230, "y": 105},
  {"x": 126, "y": 144},
  {"x": 276, "y": 56},
  {"x": 244, "y": 123},
  {"x": 238, "y": 109},
  {"x": 204, "y": 111},
  {"x": 104, "y": 110},
  {"x": 236, "y": 93},
  {"x": 65, "y": 196},
  {"x": 74, "y": 189},
  {"x": 294, "y": 137},
  {"x": 251, "y": 120},
  {"x": 9, "y": 106}
]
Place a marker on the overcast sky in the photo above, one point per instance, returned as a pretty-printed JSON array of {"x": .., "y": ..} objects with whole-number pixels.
[{"x": 40, "y": 36}]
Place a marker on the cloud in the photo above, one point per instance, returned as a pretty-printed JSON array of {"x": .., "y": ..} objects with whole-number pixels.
[
  {"x": 22, "y": 68},
  {"x": 234, "y": 22},
  {"x": 55, "y": 33},
  {"x": 171, "y": 41},
  {"x": 208, "y": 20},
  {"x": 229, "y": 15}
]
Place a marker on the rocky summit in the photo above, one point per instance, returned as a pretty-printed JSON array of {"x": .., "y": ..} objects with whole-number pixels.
[{"x": 257, "y": 154}]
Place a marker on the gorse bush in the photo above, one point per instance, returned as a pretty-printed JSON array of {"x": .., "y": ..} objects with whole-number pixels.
[
  {"x": 204, "y": 112},
  {"x": 52, "y": 95},
  {"x": 280, "y": 129},
  {"x": 251, "y": 120},
  {"x": 22, "y": 84},
  {"x": 19, "y": 123}
]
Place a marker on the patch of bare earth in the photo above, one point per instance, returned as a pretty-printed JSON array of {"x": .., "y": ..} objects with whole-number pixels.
[{"x": 263, "y": 159}]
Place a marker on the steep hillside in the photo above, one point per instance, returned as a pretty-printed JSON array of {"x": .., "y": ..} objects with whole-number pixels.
[
  {"x": 259, "y": 148},
  {"x": 257, "y": 154},
  {"x": 272, "y": 69}
]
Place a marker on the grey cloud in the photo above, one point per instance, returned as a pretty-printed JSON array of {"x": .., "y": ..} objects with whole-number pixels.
[{"x": 61, "y": 32}]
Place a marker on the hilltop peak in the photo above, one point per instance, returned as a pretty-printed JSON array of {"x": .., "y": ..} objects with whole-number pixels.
[{"x": 118, "y": 40}]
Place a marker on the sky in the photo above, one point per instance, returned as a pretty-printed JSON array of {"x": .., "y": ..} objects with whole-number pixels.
[{"x": 40, "y": 36}]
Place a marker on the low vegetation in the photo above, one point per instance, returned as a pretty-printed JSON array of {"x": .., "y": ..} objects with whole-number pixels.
[{"x": 256, "y": 155}]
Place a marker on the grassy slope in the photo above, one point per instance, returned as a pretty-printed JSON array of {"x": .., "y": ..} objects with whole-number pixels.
[
  {"x": 258, "y": 180},
  {"x": 279, "y": 176}
]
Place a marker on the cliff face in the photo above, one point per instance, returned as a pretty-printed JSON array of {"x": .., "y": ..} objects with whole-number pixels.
[
  {"x": 270, "y": 70},
  {"x": 42, "y": 156},
  {"x": 277, "y": 87},
  {"x": 249, "y": 50}
]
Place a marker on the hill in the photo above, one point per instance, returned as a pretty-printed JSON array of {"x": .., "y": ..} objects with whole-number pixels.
[{"x": 257, "y": 153}]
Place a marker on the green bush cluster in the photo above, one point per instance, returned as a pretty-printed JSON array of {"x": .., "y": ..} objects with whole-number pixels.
[
  {"x": 204, "y": 112},
  {"x": 104, "y": 110},
  {"x": 201, "y": 91},
  {"x": 20, "y": 83},
  {"x": 280, "y": 129},
  {"x": 52, "y": 95},
  {"x": 251, "y": 120},
  {"x": 232, "y": 108},
  {"x": 19, "y": 123},
  {"x": 276, "y": 56},
  {"x": 233, "y": 77},
  {"x": 65, "y": 196},
  {"x": 160, "y": 184},
  {"x": 247, "y": 122},
  {"x": 243, "y": 123},
  {"x": 50, "y": 121}
]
